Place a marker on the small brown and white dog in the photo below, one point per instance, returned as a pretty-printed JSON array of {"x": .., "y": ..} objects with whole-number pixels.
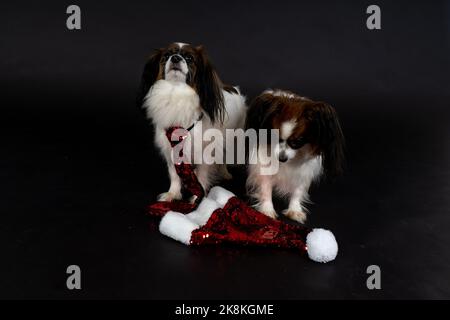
[
  {"x": 180, "y": 87},
  {"x": 310, "y": 144}
]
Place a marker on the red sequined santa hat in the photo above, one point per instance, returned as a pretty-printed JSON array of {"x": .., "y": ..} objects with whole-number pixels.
[{"x": 221, "y": 217}]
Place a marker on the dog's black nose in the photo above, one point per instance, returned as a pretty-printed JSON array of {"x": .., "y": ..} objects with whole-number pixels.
[
  {"x": 175, "y": 58},
  {"x": 282, "y": 157}
]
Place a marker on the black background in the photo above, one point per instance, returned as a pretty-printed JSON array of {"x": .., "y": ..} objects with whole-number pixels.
[{"x": 78, "y": 165}]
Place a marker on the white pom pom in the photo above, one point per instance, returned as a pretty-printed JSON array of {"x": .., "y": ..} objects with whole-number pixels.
[{"x": 322, "y": 245}]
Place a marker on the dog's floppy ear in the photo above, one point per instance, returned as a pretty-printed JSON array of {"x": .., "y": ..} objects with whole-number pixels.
[
  {"x": 260, "y": 112},
  {"x": 327, "y": 133},
  {"x": 209, "y": 87},
  {"x": 149, "y": 75}
]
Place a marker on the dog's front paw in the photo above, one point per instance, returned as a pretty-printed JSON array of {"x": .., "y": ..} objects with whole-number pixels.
[
  {"x": 169, "y": 196},
  {"x": 192, "y": 199},
  {"x": 298, "y": 216},
  {"x": 267, "y": 210}
]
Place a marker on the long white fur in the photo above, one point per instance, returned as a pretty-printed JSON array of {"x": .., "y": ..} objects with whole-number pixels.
[
  {"x": 292, "y": 181},
  {"x": 170, "y": 103}
]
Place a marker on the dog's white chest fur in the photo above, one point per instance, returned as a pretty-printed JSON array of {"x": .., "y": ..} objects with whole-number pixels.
[
  {"x": 298, "y": 173},
  {"x": 172, "y": 104}
]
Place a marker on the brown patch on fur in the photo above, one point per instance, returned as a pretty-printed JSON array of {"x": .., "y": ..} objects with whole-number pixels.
[
  {"x": 185, "y": 51},
  {"x": 230, "y": 89},
  {"x": 317, "y": 124},
  {"x": 201, "y": 76}
]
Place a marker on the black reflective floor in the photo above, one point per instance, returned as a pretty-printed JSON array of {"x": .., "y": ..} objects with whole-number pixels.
[
  {"x": 74, "y": 186},
  {"x": 78, "y": 167}
]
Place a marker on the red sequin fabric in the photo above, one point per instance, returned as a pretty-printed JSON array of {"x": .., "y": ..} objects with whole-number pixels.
[
  {"x": 189, "y": 180},
  {"x": 238, "y": 223},
  {"x": 160, "y": 208},
  {"x": 185, "y": 171}
]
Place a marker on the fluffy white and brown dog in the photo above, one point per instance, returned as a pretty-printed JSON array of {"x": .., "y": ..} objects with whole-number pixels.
[
  {"x": 310, "y": 144},
  {"x": 180, "y": 87}
]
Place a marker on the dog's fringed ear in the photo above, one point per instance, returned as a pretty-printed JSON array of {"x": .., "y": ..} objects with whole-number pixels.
[
  {"x": 149, "y": 75},
  {"x": 260, "y": 114},
  {"x": 260, "y": 111},
  {"x": 330, "y": 139},
  {"x": 209, "y": 88}
]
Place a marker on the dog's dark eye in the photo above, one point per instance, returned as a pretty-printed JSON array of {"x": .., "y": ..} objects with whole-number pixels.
[
  {"x": 188, "y": 58},
  {"x": 166, "y": 55},
  {"x": 296, "y": 143}
]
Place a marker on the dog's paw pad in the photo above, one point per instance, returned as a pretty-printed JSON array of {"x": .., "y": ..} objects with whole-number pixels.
[
  {"x": 192, "y": 199},
  {"x": 298, "y": 216},
  {"x": 270, "y": 212},
  {"x": 169, "y": 196}
]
